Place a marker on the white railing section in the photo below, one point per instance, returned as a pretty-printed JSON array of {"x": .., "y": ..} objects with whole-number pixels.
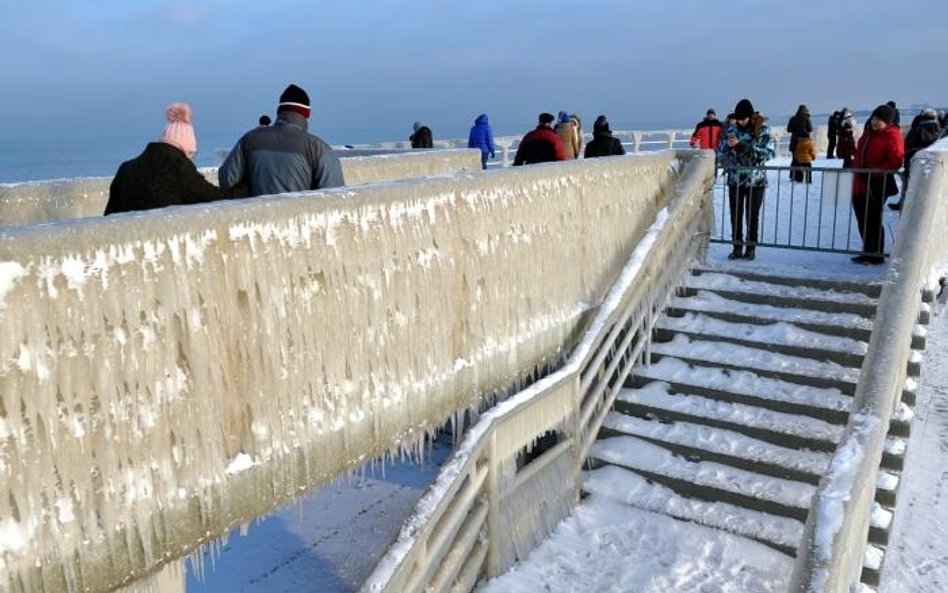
[
  {"x": 830, "y": 557},
  {"x": 632, "y": 140},
  {"x": 486, "y": 508}
]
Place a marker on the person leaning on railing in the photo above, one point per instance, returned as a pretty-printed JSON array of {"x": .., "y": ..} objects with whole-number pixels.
[
  {"x": 743, "y": 149},
  {"x": 880, "y": 147}
]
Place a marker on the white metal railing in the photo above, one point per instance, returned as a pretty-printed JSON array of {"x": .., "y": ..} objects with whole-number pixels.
[
  {"x": 632, "y": 140},
  {"x": 485, "y": 509},
  {"x": 831, "y": 555}
]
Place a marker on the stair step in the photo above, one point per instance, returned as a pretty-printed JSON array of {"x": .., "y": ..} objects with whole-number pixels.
[
  {"x": 839, "y": 324},
  {"x": 699, "y": 442},
  {"x": 787, "y": 430},
  {"x": 870, "y": 288},
  {"x": 746, "y": 387},
  {"x": 781, "y": 337},
  {"x": 717, "y": 482},
  {"x": 761, "y": 292},
  {"x": 707, "y": 480},
  {"x": 627, "y": 487},
  {"x": 795, "y": 369},
  {"x": 654, "y": 400}
]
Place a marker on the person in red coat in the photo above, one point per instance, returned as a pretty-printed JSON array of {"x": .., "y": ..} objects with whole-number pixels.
[
  {"x": 540, "y": 145},
  {"x": 708, "y": 132},
  {"x": 880, "y": 147}
]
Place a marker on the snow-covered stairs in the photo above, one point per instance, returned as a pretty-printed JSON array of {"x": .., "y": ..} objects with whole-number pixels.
[{"x": 747, "y": 394}]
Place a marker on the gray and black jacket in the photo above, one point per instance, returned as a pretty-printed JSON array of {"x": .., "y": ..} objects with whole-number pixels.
[{"x": 281, "y": 158}]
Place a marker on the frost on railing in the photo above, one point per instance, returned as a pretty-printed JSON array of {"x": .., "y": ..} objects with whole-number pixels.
[
  {"x": 831, "y": 556},
  {"x": 45, "y": 201},
  {"x": 166, "y": 375}
]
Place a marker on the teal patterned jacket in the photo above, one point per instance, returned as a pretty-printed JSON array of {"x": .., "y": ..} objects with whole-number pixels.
[{"x": 750, "y": 152}]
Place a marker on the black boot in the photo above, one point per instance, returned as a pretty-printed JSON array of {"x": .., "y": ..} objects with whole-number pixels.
[
  {"x": 750, "y": 253},
  {"x": 736, "y": 253}
]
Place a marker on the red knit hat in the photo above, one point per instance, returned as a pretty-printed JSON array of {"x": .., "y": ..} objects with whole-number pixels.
[{"x": 179, "y": 131}]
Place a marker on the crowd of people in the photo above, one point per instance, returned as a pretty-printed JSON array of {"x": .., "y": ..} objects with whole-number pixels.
[{"x": 282, "y": 156}]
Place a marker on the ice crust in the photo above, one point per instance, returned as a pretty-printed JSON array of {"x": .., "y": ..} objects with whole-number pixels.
[
  {"x": 168, "y": 374},
  {"x": 60, "y": 199}
]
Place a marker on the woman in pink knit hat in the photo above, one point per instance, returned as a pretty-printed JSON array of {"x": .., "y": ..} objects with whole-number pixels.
[{"x": 164, "y": 174}]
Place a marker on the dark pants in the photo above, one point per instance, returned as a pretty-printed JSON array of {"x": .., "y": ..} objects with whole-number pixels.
[
  {"x": 868, "y": 211},
  {"x": 745, "y": 204},
  {"x": 800, "y": 175},
  {"x": 484, "y": 159},
  {"x": 831, "y": 148}
]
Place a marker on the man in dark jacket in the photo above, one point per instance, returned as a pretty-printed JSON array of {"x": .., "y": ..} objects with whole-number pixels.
[
  {"x": 422, "y": 136},
  {"x": 164, "y": 174},
  {"x": 799, "y": 126},
  {"x": 540, "y": 145},
  {"x": 603, "y": 143},
  {"x": 924, "y": 132},
  {"x": 283, "y": 157},
  {"x": 832, "y": 129}
]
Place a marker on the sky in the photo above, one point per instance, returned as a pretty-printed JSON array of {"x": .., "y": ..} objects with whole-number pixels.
[{"x": 87, "y": 68}]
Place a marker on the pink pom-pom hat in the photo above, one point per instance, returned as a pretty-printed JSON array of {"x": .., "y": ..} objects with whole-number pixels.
[{"x": 179, "y": 131}]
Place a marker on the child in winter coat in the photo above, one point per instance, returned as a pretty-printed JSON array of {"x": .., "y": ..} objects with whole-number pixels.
[{"x": 803, "y": 156}]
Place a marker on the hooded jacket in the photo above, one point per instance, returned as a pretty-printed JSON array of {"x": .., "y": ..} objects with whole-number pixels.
[
  {"x": 281, "y": 158},
  {"x": 161, "y": 176},
  {"x": 925, "y": 132},
  {"x": 481, "y": 135},
  {"x": 603, "y": 143}
]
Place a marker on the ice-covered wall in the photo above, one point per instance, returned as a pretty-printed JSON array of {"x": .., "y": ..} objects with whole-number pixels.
[
  {"x": 165, "y": 375},
  {"x": 45, "y": 201}
]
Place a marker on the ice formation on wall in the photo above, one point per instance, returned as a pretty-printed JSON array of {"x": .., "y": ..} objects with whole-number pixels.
[
  {"x": 168, "y": 374},
  {"x": 46, "y": 201}
]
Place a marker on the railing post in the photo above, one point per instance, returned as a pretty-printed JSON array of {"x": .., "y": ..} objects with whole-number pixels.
[
  {"x": 636, "y": 141},
  {"x": 505, "y": 155},
  {"x": 495, "y": 565},
  {"x": 671, "y": 139}
]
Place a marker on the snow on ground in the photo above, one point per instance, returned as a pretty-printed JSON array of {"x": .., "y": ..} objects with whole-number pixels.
[
  {"x": 607, "y": 546},
  {"x": 917, "y": 558},
  {"x": 328, "y": 542}
]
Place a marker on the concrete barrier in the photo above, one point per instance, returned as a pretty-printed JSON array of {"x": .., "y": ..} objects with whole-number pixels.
[
  {"x": 168, "y": 374},
  {"x": 45, "y": 201}
]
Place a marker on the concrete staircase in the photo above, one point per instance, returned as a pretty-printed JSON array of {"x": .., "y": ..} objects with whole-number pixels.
[{"x": 748, "y": 390}]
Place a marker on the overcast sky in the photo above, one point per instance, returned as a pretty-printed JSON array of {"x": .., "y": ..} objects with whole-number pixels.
[{"x": 79, "y": 67}]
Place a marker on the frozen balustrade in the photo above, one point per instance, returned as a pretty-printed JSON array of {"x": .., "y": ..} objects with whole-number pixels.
[
  {"x": 166, "y": 375},
  {"x": 46, "y": 201}
]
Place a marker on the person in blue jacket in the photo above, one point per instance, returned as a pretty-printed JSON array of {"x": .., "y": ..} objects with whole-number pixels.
[{"x": 482, "y": 137}]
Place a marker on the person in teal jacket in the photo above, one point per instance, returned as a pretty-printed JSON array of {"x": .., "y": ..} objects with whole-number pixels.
[{"x": 744, "y": 147}]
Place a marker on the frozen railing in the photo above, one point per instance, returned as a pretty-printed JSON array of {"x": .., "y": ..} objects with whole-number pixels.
[
  {"x": 633, "y": 140},
  {"x": 831, "y": 555},
  {"x": 45, "y": 201},
  {"x": 169, "y": 374},
  {"x": 496, "y": 498}
]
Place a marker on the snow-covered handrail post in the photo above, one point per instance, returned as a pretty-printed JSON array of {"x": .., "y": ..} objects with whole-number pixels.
[
  {"x": 485, "y": 509},
  {"x": 831, "y": 555}
]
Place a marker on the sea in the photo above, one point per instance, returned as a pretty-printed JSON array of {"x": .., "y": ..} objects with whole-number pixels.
[{"x": 58, "y": 156}]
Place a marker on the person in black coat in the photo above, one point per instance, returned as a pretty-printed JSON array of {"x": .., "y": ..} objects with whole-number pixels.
[
  {"x": 832, "y": 129},
  {"x": 603, "y": 142},
  {"x": 164, "y": 174},
  {"x": 799, "y": 126},
  {"x": 422, "y": 138},
  {"x": 925, "y": 131}
]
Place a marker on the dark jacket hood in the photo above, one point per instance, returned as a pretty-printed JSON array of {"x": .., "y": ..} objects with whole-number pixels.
[{"x": 481, "y": 119}]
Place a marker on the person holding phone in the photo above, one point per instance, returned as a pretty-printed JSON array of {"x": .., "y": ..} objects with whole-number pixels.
[{"x": 744, "y": 147}]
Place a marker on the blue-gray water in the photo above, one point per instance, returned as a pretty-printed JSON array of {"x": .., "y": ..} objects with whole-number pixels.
[{"x": 63, "y": 155}]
